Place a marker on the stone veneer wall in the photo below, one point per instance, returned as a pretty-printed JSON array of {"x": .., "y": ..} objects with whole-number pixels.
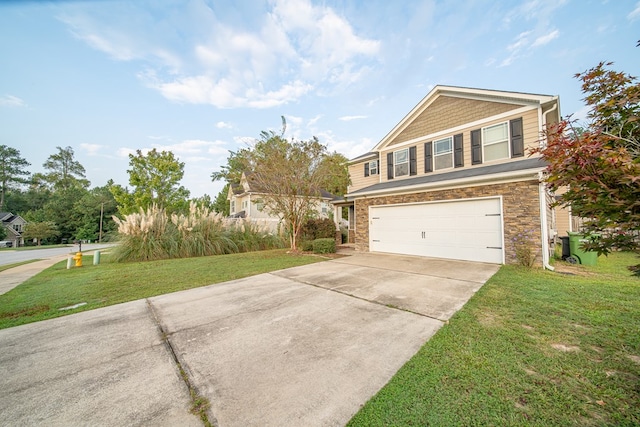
[{"x": 521, "y": 211}]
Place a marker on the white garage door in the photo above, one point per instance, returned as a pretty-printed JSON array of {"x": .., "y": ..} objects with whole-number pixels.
[{"x": 463, "y": 229}]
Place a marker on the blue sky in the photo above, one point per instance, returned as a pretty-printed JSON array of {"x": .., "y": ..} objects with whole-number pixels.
[{"x": 202, "y": 77}]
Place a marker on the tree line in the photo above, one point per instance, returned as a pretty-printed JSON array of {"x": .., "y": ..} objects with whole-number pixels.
[{"x": 60, "y": 205}]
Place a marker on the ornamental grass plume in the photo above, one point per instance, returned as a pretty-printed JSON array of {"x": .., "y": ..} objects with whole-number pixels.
[{"x": 152, "y": 235}]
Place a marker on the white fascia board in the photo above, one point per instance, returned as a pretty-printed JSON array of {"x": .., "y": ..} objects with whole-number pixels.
[
  {"x": 360, "y": 159},
  {"x": 497, "y": 95},
  {"x": 498, "y": 178}
]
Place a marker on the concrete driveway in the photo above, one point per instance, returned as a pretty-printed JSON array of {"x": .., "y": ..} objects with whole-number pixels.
[{"x": 303, "y": 346}]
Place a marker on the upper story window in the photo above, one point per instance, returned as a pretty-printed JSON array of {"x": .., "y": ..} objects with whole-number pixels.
[
  {"x": 443, "y": 153},
  {"x": 17, "y": 227},
  {"x": 232, "y": 206},
  {"x": 495, "y": 142},
  {"x": 371, "y": 168},
  {"x": 401, "y": 162}
]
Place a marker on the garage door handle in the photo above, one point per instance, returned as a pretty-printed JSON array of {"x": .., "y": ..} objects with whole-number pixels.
[
  {"x": 492, "y": 214},
  {"x": 376, "y": 240},
  {"x": 494, "y": 247}
]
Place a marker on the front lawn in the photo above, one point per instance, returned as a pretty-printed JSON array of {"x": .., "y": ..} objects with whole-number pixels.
[
  {"x": 531, "y": 348},
  {"x": 42, "y": 296}
]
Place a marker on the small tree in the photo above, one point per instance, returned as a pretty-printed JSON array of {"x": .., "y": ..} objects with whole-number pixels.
[
  {"x": 40, "y": 231},
  {"x": 290, "y": 176},
  {"x": 600, "y": 165},
  {"x": 155, "y": 180}
]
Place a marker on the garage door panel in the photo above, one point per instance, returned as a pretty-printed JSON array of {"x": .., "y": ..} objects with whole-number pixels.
[{"x": 468, "y": 229}]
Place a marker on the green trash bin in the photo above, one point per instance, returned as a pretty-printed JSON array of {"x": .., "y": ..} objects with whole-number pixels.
[{"x": 584, "y": 257}]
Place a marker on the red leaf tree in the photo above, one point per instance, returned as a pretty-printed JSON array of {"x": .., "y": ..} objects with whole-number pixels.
[{"x": 599, "y": 166}]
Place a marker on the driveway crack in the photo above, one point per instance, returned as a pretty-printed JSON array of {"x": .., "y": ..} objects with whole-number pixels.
[
  {"x": 200, "y": 405},
  {"x": 394, "y": 307}
]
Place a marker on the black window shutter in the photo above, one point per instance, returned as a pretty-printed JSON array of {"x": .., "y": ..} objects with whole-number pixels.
[
  {"x": 413, "y": 160},
  {"x": 458, "y": 151},
  {"x": 428, "y": 156},
  {"x": 389, "y": 165},
  {"x": 366, "y": 169},
  {"x": 476, "y": 147},
  {"x": 517, "y": 140}
]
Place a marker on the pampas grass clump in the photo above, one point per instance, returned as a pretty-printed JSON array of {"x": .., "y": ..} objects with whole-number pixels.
[{"x": 152, "y": 235}]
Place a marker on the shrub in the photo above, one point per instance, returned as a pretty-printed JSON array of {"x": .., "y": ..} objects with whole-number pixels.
[
  {"x": 324, "y": 246},
  {"x": 316, "y": 228},
  {"x": 525, "y": 248},
  {"x": 306, "y": 245}
]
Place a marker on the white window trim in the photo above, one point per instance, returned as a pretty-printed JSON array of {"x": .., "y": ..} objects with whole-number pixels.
[
  {"x": 373, "y": 167},
  {"x": 450, "y": 153},
  {"x": 508, "y": 138},
  {"x": 395, "y": 162}
]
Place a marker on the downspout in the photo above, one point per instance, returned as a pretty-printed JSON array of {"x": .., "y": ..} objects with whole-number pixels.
[{"x": 544, "y": 230}]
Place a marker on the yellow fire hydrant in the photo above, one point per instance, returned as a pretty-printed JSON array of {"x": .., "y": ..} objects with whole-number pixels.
[{"x": 78, "y": 259}]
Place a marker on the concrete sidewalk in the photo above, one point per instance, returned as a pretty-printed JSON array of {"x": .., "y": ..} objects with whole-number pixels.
[
  {"x": 303, "y": 346},
  {"x": 12, "y": 277}
]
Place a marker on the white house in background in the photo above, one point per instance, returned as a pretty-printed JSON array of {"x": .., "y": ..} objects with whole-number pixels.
[
  {"x": 246, "y": 201},
  {"x": 14, "y": 225}
]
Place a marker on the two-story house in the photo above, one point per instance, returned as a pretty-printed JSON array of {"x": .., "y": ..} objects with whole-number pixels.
[
  {"x": 454, "y": 179},
  {"x": 14, "y": 225},
  {"x": 246, "y": 201}
]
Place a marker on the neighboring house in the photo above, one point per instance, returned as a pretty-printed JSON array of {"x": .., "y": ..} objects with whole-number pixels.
[
  {"x": 246, "y": 201},
  {"x": 14, "y": 225},
  {"x": 454, "y": 179}
]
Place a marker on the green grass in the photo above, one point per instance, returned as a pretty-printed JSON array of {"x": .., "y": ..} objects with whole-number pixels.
[
  {"x": 43, "y": 295},
  {"x": 531, "y": 348},
  {"x": 16, "y": 264}
]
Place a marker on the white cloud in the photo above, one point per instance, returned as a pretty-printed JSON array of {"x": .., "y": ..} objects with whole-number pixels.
[
  {"x": 349, "y": 148},
  {"x": 523, "y": 44},
  {"x": 292, "y": 48},
  {"x": 544, "y": 39},
  {"x": 635, "y": 13},
  {"x": 124, "y": 152},
  {"x": 11, "y": 101},
  {"x": 349, "y": 118},
  {"x": 91, "y": 149},
  {"x": 188, "y": 149},
  {"x": 313, "y": 121},
  {"x": 224, "y": 125}
]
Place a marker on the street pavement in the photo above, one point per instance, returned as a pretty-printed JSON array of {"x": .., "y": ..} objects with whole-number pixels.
[
  {"x": 305, "y": 346},
  {"x": 12, "y": 277}
]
